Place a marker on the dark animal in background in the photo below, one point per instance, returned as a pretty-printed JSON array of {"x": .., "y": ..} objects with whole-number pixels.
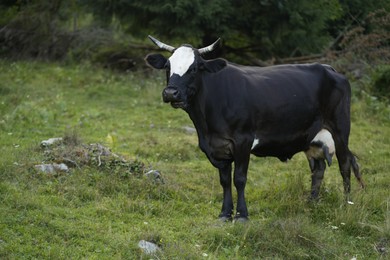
[{"x": 266, "y": 111}]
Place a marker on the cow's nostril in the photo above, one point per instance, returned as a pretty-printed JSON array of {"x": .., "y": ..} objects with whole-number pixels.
[{"x": 170, "y": 94}]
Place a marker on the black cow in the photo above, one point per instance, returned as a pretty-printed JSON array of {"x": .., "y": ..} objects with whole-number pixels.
[{"x": 272, "y": 111}]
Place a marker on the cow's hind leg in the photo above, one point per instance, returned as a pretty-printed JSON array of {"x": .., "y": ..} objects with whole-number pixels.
[
  {"x": 345, "y": 167},
  {"x": 225, "y": 177},
  {"x": 340, "y": 124},
  {"x": 317, "y": 167},
  {"x": 356, "y": 171},
  {"x": 345, "y": 157},
  {"x": 347, "y": 161}
]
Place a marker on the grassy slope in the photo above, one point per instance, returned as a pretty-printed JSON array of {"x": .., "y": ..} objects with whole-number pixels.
[{"x": 96, "y": 214}]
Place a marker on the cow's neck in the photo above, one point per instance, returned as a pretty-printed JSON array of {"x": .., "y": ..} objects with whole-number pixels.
[
  {"x": 210, "y": 141},
  {"x": 197, "y": 112}
]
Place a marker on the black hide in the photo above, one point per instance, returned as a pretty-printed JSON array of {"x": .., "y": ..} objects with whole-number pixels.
[{"x": 282, "y": 107}]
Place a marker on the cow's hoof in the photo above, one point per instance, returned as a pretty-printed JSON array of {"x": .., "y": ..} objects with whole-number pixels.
[
  {"x": 225, "y": 218},
  {"x": 312, "y": 199},
  {"x": 240, "y": 219}
]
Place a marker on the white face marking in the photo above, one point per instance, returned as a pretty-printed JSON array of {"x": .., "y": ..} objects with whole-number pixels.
[
  {"x": 181, "y": 60},
  {"x": 255, "y": 142}
]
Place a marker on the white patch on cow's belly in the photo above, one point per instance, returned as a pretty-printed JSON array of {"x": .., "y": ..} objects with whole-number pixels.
[
  {"x": 255, "y": 142},
  {"x": 181, "y": 60},
  {"x": 324, "y": 137}
]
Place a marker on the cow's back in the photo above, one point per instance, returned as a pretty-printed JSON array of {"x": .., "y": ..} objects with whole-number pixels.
[{"x": 277, "y": 93}]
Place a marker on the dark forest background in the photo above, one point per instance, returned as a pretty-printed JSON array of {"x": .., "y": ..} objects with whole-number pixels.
[{"x": 257, "y": 32}]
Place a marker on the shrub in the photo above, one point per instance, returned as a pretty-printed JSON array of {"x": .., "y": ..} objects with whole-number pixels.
[{"x": 381, "y": 83}]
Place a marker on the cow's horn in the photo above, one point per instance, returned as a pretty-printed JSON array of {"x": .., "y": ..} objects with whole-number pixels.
[
  {"x": 210, "y": 47},
  {"x": 161, "y": 44}
]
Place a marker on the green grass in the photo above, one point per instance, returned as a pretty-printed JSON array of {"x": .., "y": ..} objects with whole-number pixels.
[{"x": 100, "y": 214}]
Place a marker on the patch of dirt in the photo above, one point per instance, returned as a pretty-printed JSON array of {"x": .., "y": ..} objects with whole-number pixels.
[{"x": 72, "y": 152}]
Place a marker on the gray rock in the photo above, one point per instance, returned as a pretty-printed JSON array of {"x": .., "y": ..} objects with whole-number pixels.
[
  {"x": 148, "y": 247},
  {"x": 189, "y": 129},
  {"x": 51, "y": 141},
  {"x": 155, "y": 175},
  {"x": 52, "y": 168}
]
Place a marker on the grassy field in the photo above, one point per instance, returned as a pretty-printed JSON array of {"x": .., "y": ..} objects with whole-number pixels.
[{"x": 101, "y": 213}]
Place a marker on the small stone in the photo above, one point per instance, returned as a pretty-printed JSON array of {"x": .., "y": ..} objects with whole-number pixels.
[
  {"x": 381, "y": 250},
  {"x": 148, "y": 247},
  {"x": 189, "y": 129},
  {"x": 51, "y": 141},
  {"x": 52, "y": 168},
  {"x": 154, "y": 175},
  {"x": 61, "y": 167}
]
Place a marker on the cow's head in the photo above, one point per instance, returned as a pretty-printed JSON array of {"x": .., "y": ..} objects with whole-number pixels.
[{"x": 183, "y": 69}]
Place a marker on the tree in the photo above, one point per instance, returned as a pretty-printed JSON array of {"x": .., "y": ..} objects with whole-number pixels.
[
  {"x": 266, "y": 27},
  {"x": 33, "y": 28}
]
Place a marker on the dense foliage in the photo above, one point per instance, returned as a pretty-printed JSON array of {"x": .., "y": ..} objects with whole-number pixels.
[{"x": 264, "y": 28}]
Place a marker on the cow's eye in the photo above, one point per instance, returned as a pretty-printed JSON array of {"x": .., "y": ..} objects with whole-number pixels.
[{"x": 167, "y": 66}]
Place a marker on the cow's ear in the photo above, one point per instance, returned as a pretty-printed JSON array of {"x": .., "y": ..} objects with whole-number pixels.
[
  {"x": 213, "y": 65},
  {"x": 156, "y": 61}
]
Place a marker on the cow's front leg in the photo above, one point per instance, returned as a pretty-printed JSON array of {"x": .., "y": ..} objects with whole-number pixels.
[
  {"x": 225, "y": 177},
  {"x": 240, "y": 173}
]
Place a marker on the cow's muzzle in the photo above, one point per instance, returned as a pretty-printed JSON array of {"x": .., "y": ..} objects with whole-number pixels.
[{"x": 172, "y": 95}]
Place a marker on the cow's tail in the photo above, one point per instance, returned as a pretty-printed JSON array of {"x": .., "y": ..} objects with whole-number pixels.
[{"x": 355, "y": 169}]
